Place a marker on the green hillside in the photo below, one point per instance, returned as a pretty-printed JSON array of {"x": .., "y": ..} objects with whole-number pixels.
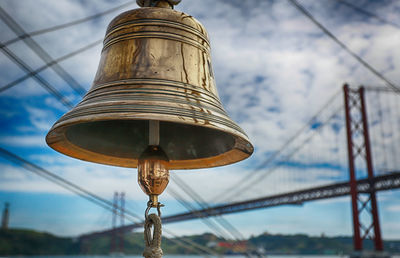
[{"x": 28, "y": 242}]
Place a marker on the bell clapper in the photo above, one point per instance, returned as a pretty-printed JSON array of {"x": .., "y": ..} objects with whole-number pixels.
[
  {"x": 153, "y": 172},
  {"x": 153, "y": 178}
]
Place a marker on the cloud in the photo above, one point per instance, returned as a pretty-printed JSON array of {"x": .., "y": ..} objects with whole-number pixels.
[
  {"x": 99, "y": 179},
  {"x": 23, "y": 141},
  {"x": 40, "y": 119},
  {"x": 393, "y": 208}
]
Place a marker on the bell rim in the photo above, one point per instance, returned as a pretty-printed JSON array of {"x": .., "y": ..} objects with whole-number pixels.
[{"x": 58, "y": 141}]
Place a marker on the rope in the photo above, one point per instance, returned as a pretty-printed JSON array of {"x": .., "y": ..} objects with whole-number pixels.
[{"x": 153, "y": 244}]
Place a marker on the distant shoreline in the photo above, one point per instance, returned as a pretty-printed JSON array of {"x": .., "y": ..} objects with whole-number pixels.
[{"x": 30, "y": 242}]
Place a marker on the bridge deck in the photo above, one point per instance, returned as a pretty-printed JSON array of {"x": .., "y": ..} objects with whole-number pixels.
[{"x": 379, "y": 183}]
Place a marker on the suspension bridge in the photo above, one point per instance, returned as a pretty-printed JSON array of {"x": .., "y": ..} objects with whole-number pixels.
[
  {"x": 350, "y": 147},
  {"x": 296, "y": 167}
]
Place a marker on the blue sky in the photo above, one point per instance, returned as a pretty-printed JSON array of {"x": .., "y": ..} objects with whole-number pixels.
[{"x": 274, "y": 70}]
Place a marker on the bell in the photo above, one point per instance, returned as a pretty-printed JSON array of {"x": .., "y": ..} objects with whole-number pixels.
[{"x": 155, "y": 66}]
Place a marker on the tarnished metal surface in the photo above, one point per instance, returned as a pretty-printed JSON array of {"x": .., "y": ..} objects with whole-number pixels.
[
  {"x": 153, "y": 174},
  {"x": 155, "y": 65}
]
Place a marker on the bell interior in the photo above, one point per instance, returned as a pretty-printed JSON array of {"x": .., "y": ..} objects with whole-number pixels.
[{"x": 129, "y": 138}]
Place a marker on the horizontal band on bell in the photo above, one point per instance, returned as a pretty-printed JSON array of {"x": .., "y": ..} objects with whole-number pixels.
[
  {"x": 131, "y": 112},
  {"x": 153, "y": 95},
  {"x": 155, "y": 34},
  {"x": 183, "y": 87},
  {"x": 158, "y": 23}
]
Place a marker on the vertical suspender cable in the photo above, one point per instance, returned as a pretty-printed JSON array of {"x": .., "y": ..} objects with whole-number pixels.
[{"x": 382, "y": 132}]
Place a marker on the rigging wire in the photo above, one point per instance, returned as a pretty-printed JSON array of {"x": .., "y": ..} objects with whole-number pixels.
[
  {"x": 273, "y": 156},
  {"x": 381, "y": 89},
  {"x": 367, "y": 13},
  {"x": 82, "y": 192},
  {"x": 60, "y": 181},
  {"x": 235, "y": 233},
  {"x": 260, "y": 177},
  {"x": 58, "y": 60},
  {"x": 203, "y": 205},
  {"x": 41, "y": 53},
  {"x": 204, "y": 218},
  {"x": 344, "y": 47},
  {"x": 46, "y": 85},
  {"x": 68, "y": 24}
]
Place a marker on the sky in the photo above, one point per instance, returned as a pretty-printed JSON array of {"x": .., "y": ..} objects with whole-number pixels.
[{"x": 274, "y": 71}]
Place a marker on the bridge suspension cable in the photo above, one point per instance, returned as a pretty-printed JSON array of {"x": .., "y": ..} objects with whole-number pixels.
[
  {"x": 68, "y": 24},
  {"x": 344, "y": 47}
]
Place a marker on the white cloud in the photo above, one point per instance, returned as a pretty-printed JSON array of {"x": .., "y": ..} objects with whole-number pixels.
[
  {"x": 41, "y": 119},
  {"x": 23, "y": 141},
  {"x": 393, "y": 208}
]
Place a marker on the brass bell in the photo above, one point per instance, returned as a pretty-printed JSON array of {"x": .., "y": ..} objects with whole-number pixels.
[{"x": 155, "y": 66}]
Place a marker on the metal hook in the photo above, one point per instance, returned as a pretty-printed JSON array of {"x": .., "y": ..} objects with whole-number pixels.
[{"x": 149, "y": 206}]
